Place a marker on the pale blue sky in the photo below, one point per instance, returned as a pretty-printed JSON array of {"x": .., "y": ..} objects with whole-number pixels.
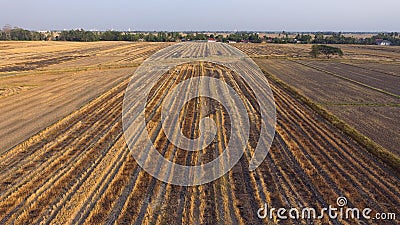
[{"x": 229, "y": 15}]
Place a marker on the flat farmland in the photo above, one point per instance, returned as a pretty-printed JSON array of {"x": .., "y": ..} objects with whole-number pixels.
[
  {"x": 381, "y": 81},
  {"x": 24, "y": 56},
  {"x": 42, "y": 82},
  {"x": 378, "y": 122},
  {"x": 323, "y": 87},
  {"x": 79, "y": 170},
  {"x": 377, "y": 66},
  {"x": 274, "y": 51},
  {"x": 352, "y": 52},
  {"x": 349, "y": 87},
  {"x": 382, "y": 53}
]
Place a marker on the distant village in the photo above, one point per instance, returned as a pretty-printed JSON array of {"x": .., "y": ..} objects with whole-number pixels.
[{"x": 383, "y": 39}]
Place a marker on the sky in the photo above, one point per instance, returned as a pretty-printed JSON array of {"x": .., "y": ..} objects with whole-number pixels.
[{"x": 203, "y": 15}]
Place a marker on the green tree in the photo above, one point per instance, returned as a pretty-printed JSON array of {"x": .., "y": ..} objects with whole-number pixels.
[{"x": 328, "y": 51}]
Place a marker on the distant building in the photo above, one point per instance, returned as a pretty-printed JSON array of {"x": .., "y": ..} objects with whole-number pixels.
[
  {"x": 232, "y": 42},
  {"x": 212, "y": 40},
  {"x": 383, "y": 42}
]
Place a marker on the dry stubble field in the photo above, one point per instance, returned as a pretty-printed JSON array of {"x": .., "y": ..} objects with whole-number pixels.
[
  {"x": 41, "y": 82},
  {"x": 78, "y": 170},
  {"x": 362, "y": 88}
]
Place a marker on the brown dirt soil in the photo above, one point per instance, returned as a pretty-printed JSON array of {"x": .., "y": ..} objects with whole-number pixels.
[{"x": 348, "y": 92}]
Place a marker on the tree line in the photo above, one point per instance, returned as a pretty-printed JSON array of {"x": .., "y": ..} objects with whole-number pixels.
[
  {"x": 18, "y": 34},
  {"x": 82, "y": 35}
]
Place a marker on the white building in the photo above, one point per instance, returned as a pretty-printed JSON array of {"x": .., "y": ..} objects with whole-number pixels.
[{"x": 385, "y": 43}]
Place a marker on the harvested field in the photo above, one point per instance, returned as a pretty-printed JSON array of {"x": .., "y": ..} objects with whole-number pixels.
[
  {"x": 274, "y": 50},
  {"x": 25, "y": 56},
  {"x": 389, "y": 68},
  {"x": 79, "y": 170},
  {"x": 386, "y": 83},
  {"x": 380, "y": 122},
  {"x": 322, "y": 87},
  {"x": 351, "y": 84},
  {"x": 35, "y": 97},
  {"x": 383, "y": 54}
]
